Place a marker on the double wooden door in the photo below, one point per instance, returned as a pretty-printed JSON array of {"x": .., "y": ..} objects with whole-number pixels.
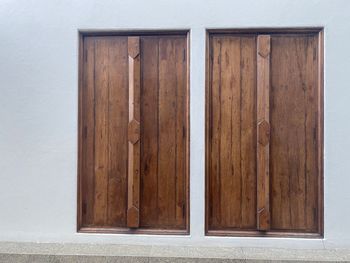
[
  {"x": 264, "y": 133},
  {"x": 133, "y": 143}
]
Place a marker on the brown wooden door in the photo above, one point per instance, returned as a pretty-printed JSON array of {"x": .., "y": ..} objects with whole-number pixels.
[
  {"x": 133, "y": 155},
  {"x": 264, "y": 134}
]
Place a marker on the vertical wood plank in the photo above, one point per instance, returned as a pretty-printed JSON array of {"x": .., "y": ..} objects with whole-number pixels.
[
  {"x": 214, "y": 133},
  {"x": 104, "y": 131},
  {"x": 166, "y": 118},
  {"x": 180, "y": 136},
  {"x": 101, "y": 131},
  {"x": 230, "y": 145},
  {"x": 263, "y": 131},
  {"x": 88, "y": 131},
  {"x": 134, "y": 133},
  {"x": 118, "y": 130},
  {"x": 248, "y": 132},
  {"x": 310, "y": 218},
  {"x": 149, "y": 134},
  {"x": 164, "y": 132},
  {"x": 294, "y": 123},
  {"x": 232, "y": 133}
]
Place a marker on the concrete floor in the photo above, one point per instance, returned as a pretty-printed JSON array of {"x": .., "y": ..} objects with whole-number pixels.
[{"x": 91, "y": 253}]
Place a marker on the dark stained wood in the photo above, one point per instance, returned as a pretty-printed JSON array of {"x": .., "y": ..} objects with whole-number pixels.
[
  {"x": 141, "y": 231},
  {"x": 264, "y": 30},
  {"x": 232, "y": 133},
  {"x": 164, "y": 136},
  {"x": 80, "y": 133},
  {"x": 258, "y": 233},
  {"x": 87, "y": 134},
  {"x": 139, "y": 33},
  {"x": 133, "y": 134},
  {"x": 263, "y": 131},
  {"x": 103, "y": 115},
  {"x": 118, "y": 119},
  {"x": 288, "y": 132},
  {"x": 248, "y": 131},
  {"x": 214, "y": 213},
  {"x": 181, "y": 133},
  {"x": 294, "y": 129},
  {"x": 320, "y": 130},
  {"x": 149, "y": 135},
  {"x": 133, "y": 214},
  {"x": 166, "y": 132},
  {"x": 101, "y": 131}
]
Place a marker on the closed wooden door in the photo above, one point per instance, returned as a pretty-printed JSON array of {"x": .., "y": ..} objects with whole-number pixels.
[
  {"x": 133, "y": 140},
  {"x": 264, "y": 133}
]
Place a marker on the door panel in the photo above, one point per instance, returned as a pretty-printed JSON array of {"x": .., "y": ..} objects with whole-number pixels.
[
  {"x": 133, "y": 159},
  {"x": 264, "y": 134},
  {"x": 163, "y": 144},
  {"x": 105, "y": 123},
  {"x": 294, "y": 129},
  {"x": 232, "y": 132}
]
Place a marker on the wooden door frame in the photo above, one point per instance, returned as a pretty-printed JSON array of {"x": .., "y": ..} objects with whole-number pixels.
[
  {"x": 91, "y": 32},
  {"x": 320, "y": 158}
]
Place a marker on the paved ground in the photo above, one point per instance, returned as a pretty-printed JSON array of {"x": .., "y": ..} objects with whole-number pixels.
[{"x": 89, "y": 253}]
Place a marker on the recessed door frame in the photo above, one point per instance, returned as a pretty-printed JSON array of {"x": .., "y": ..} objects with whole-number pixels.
[
  {"x": 88, "y": 32},
  {"x": 320, "y": 87}
]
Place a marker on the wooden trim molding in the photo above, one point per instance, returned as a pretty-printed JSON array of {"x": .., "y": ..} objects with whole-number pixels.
[
  {"x": 80, "y": 129},
  {"x": 265, "y": 30},
  {"x": 254, "y": 233},
  {"x": 135, "y": 32},
  {"x": 263, "y": 131},
  {"x": 133, "y": 213}
]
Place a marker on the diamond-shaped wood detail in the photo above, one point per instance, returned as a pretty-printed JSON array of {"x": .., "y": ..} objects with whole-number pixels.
[
  {"x": 264, "y": 133},
  {"x": 133, "y": 46},
  {"x": 134, "y": 131},
  {"x": 263, "y": 219},
  {"x": 264, "y": 45},
  {"x": 133, "y": 217}
]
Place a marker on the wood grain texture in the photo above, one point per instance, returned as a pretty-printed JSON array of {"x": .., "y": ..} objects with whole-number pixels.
[
  {"x": 164, "y": 135},
  {"x": 104, "y": 113},
  {"x": 287, "y": 116},
  {"x": 133, "y": 214},
  {"x": 87, "y": 134},
  {"x": 263, "y": 132},
  {"x": 149, "y": 134},
  {"x": 117, "y": 124},
  {"x": 133, "y": 134},
  {"x": 294, "y": 128},
  {"x": 232, "y": 133},
  {"x": 248, "y": 131}
]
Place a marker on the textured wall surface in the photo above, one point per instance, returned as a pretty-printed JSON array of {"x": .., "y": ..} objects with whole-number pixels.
[{"x": 38, "y": 116}]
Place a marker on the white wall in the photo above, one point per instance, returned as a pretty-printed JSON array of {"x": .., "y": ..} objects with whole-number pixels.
[{"x": 38, "y": 108}]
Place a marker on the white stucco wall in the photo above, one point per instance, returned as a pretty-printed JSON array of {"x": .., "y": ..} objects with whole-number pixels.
[{"x": 38, "y": 108}]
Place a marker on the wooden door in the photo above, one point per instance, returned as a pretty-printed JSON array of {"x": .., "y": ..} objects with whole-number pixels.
[
  {"x": 133, "y": 140},
  {"x": 264, "y": 133}
]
